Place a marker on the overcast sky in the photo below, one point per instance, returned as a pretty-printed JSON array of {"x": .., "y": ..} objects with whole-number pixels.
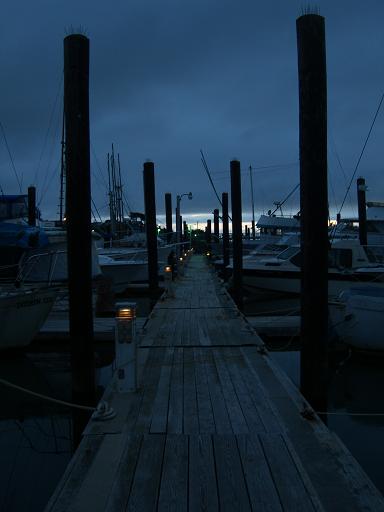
[{"x": 168, "y": 78}]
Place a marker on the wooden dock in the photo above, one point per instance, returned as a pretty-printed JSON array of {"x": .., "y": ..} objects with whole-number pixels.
[{"x": 215, "y": 425}]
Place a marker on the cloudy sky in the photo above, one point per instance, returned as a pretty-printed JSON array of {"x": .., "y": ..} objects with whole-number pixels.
[{"x": 168, "y": 78}]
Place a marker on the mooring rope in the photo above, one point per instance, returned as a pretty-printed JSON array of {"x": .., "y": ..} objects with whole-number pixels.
[{"x": 102, "y": 412}]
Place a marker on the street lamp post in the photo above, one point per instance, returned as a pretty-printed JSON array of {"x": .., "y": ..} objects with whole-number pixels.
[{"x": 178, "y": 223}]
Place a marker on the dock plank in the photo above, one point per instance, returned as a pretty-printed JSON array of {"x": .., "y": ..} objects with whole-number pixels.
[
  {"x": 233, "y": 493},
  {"x": 203, "y": 493},
  {"x": 146, "y": 480},
  {"x": 174, "y": 483}
]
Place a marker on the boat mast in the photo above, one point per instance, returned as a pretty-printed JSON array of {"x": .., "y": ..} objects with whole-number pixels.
[
  {"x": 111, "y": 205},
  {"x": 121, "y": 208}
]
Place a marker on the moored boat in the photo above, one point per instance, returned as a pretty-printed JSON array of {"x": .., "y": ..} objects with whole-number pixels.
[
  {"x": 22, "y": 313},
  {"x": 357, "y": 317},
  {"x": 349, "y": 264}
]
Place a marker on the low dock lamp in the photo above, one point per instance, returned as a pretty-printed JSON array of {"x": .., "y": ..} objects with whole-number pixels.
[
  {"x": 168, "y": 281},
  {"x": 125, "y": 347}
]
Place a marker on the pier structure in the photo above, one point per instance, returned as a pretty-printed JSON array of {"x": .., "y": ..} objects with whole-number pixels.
[{"x": 214, "y": 424}]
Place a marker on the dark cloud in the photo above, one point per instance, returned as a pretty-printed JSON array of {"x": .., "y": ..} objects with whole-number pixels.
[{"x": 171, "y": 77}]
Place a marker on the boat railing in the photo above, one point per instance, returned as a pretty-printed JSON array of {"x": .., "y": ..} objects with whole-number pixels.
[{"x": 32, "y": 263}]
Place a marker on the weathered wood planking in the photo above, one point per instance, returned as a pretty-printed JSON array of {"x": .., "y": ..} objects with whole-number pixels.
[{"x": 215, "y": 425}]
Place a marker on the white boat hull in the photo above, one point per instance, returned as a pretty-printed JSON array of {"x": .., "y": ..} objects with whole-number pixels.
[
  {"x": 358, "y": 321},
  {"x": 288, "y": 282},
  {"x": 124, "y": 273},
  {"x": 22, "y": 314},
  {"x": 125, "y": 266}
]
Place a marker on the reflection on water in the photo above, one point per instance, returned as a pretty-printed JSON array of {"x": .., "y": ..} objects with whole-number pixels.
[
  {"x": 356, "y": 386},
  {"x": 35, "y": 438}
]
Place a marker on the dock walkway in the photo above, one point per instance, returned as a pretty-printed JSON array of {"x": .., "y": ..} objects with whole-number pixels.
[{"x": 215, "y": 425}]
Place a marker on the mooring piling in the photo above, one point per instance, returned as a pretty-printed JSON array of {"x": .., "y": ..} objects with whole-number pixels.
[
  {"x": 216, "y": 229},
  {"x": 168, "y": 216},
  {"x": 150, "y": 223},
  {"x": 224, "y": 201},
  {"x": 78, "y": 210},
  {"x": 314, "y": 207},
  {"x": 31, "y": 206},
  {"x": 237, "y": 242},
  {"x": 209, "y": 233},
  {"x": 362, "y": 211}
]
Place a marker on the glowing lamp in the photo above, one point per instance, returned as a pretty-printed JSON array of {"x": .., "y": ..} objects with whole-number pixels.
[{"x": 127, "y": 313}]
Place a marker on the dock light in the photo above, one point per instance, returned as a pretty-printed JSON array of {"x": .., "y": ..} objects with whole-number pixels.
[
  {"x": 128, "y": 313},
  {"x": 208, "y": 254},
  {"x": 168, "y": 281},
  {"x": 125, "y": 347},
  {"x": 181, "y": 258}
]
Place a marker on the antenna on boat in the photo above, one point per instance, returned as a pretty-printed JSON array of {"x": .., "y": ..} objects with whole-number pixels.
[{"x": 279, "y": 204}]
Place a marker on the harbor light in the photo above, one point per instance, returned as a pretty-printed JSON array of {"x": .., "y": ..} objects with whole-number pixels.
[{"x": 168, "y": 269}]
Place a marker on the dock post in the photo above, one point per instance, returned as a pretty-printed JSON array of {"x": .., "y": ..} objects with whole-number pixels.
[
  {"x": 168, "y": 216},
  {"x": 362, "y": 209},
  {"x": 168, "y": 284},
  {"x": 150, "y": 225},
  {"x": 78, "y": 209},
  {"x": 125, "y": 347},
  {"x": 314, "y": 207},
  {"x": 216, "y": 229},
  {"x": 31, "y": 206},
  {"x": 237, "y": 242},
  {"x": 224, "y": 200},
  {"x": 209, "y": 235}
]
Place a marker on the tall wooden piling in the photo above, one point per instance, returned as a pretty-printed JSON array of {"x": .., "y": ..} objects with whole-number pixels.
[
  {"x": 362, "y": 211},
  {"x": 314, "y": 207},
  {"x": 216, "y": 229},
  {"x": 209, "y": 233},
  {"x": 31, "y": 206},
  {"x": 150, "y": 225},
  {"x": 168, "y": 216},
  {"x": 224, "y": 201},
  {"x": 237, "y": 243},
  {"x": 78, "y": 209}
]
